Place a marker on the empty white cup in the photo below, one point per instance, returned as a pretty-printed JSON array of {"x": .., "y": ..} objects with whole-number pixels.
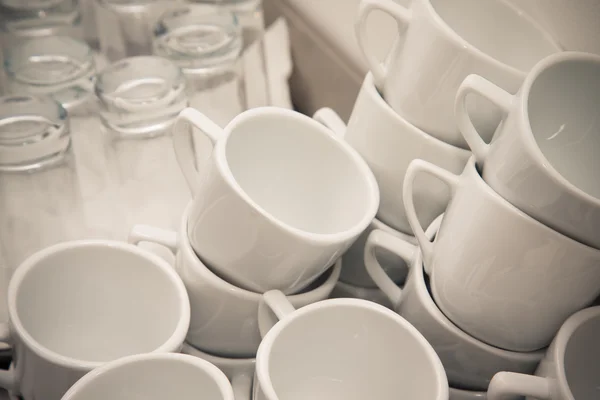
[
  {"x": 77, "y": 305},
  {"x": 153, "y": 377}
]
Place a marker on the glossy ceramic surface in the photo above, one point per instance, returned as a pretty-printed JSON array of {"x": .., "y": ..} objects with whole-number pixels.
[
  {"x": 497, "y": 273},
  {"x": 544, "y": 156},
  {"x": 469, "y": 363},
  {"x": 223, "y": 316},
  {"x": 274, "y": 216},
  {"x": 153, "y": 377},
  {"x": 446, "y": 40},
  {"x": 388, "y": 143},
  {"x": 345, "y": 349},
  {"x": 77, "y": 305},
  {"x": 570, "y": 369}
]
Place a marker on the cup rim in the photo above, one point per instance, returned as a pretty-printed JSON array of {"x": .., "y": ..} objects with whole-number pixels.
[
  {"x": 263, "y": 353},
  {"x": 459, "y": 40},
  {"x": 192, "y": 260},
  {"x": 369, "y": 88},
  {"x": 215, "y": 373},
  {"x": 562, "y": 339},
  {"x": 172, "y": 343},
  {"x": 525, "y": 122},
  {"x": 370, "y": 182}
]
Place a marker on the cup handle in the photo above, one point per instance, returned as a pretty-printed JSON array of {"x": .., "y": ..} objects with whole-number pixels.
[
  {"x": 146, "y": 233},
  {"x": 184, "y": 150},
  {"x": 242, "y": 386},
  {"x": 8, "y": 378},
  {"x": 402, "y": 16},
  {"x": 381, "y": 239},
  {"x": 331, "y": 120},
  {"x": 414, "y": 168},
  {"x": 475, "y": 84},
  {"x": 512, "y": 385},
  {"x": 272, "y": 301}
]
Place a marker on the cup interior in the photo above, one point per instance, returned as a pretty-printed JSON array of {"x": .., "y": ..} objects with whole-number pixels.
[
  {"x": 152, "y": 379},
  {"x": 97, "y": 303},
  {"x": 582, "y": 360},
  {"x": 497, "y": 29},
  {"x": 563, "y": 110},
  {"x": 298, "y": 173},
  {"x": 344, "y": 351}
]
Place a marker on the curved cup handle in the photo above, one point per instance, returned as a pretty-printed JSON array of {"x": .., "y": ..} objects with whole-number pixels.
[
  {"x": 512, "y": 385},
  {"x": 332, "y": 120},
  {"x": 8, "y": 379},
  {"x": 242, "y": 386},
  {"x": 414, "y": 168},
  {"x": 384, "y": 240},
  {"x": 272, "y": 302},
  {"x": 475, "y": 84},
  {"x": 151, "y": 234},
  {"x": 182, "y": 143},
  {"x": 402, "y": 16}
]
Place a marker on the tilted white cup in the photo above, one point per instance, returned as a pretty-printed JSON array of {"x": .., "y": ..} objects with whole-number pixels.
[
  {"x": 570, "y": 369},
  {"x": 445, "y": 41},
  {"x": 153, "y": 377},
  {"x": 223, "y": 316},
  {"x": 239, "y": 371},
  {"x": 342, "y": 349},
  {"x": 544, "y": 157},
  {"x": 469, "y": 363},
  {"x": 388, "y": 142},
  {"x": 280, "y": 200},
  {"x": 497, "y": 273},
  {"x": 76, "y": 305}
]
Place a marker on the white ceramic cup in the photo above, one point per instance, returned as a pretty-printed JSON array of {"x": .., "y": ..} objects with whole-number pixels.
[
  {"x": 342, "y": 349},
  {"x": 239, "y": 371},
  {"x": 445, "y": 41},
  {"x": 344, "y": 290},
  {"x": 77, "y": 305},
  {"x": 569, "y": 371},
  {"x": 498, "y": 274},
  {"x": 223, "y": 316},
  {"x": 544, "y": 157},
  {"x": 388, "y": 143},
  {"x": 280, "y": 200},
  {"x": 469, "y": 363},
  {"x": 153, "y": 377}
]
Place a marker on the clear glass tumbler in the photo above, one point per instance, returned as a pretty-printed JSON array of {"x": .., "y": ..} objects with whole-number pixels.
[
  {"x": 124, "y": 27},
  {"x": 53, "y": 65},
  {"x": 140, "y": 97},
  {"x": 206, "y": 43},
  {"x": 22, "y": 19},
  {"x": 39, "y": 190}
]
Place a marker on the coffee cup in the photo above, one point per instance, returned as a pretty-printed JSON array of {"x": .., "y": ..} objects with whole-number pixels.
[
  {"x": 497, "y": 273},
  {"x": 280, "y": 200},
  {"x": 469, "y": 363},
  {"x": 543, "y": 158},
  {"x": 77, "y": 305},
  {"x": 223, "y": 316},
  {"x": 342, "y": 349},
  {"x": 569, "y": 370},
  {"x": 444, "y": 41},
  {"x": 153, "y": 377},
  {"x": 388, "y": 142}
]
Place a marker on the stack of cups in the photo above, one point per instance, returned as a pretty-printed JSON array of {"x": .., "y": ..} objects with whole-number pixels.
[
  {"x": 279, "y": 201},
  {"x": 405, "y": 112}
]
